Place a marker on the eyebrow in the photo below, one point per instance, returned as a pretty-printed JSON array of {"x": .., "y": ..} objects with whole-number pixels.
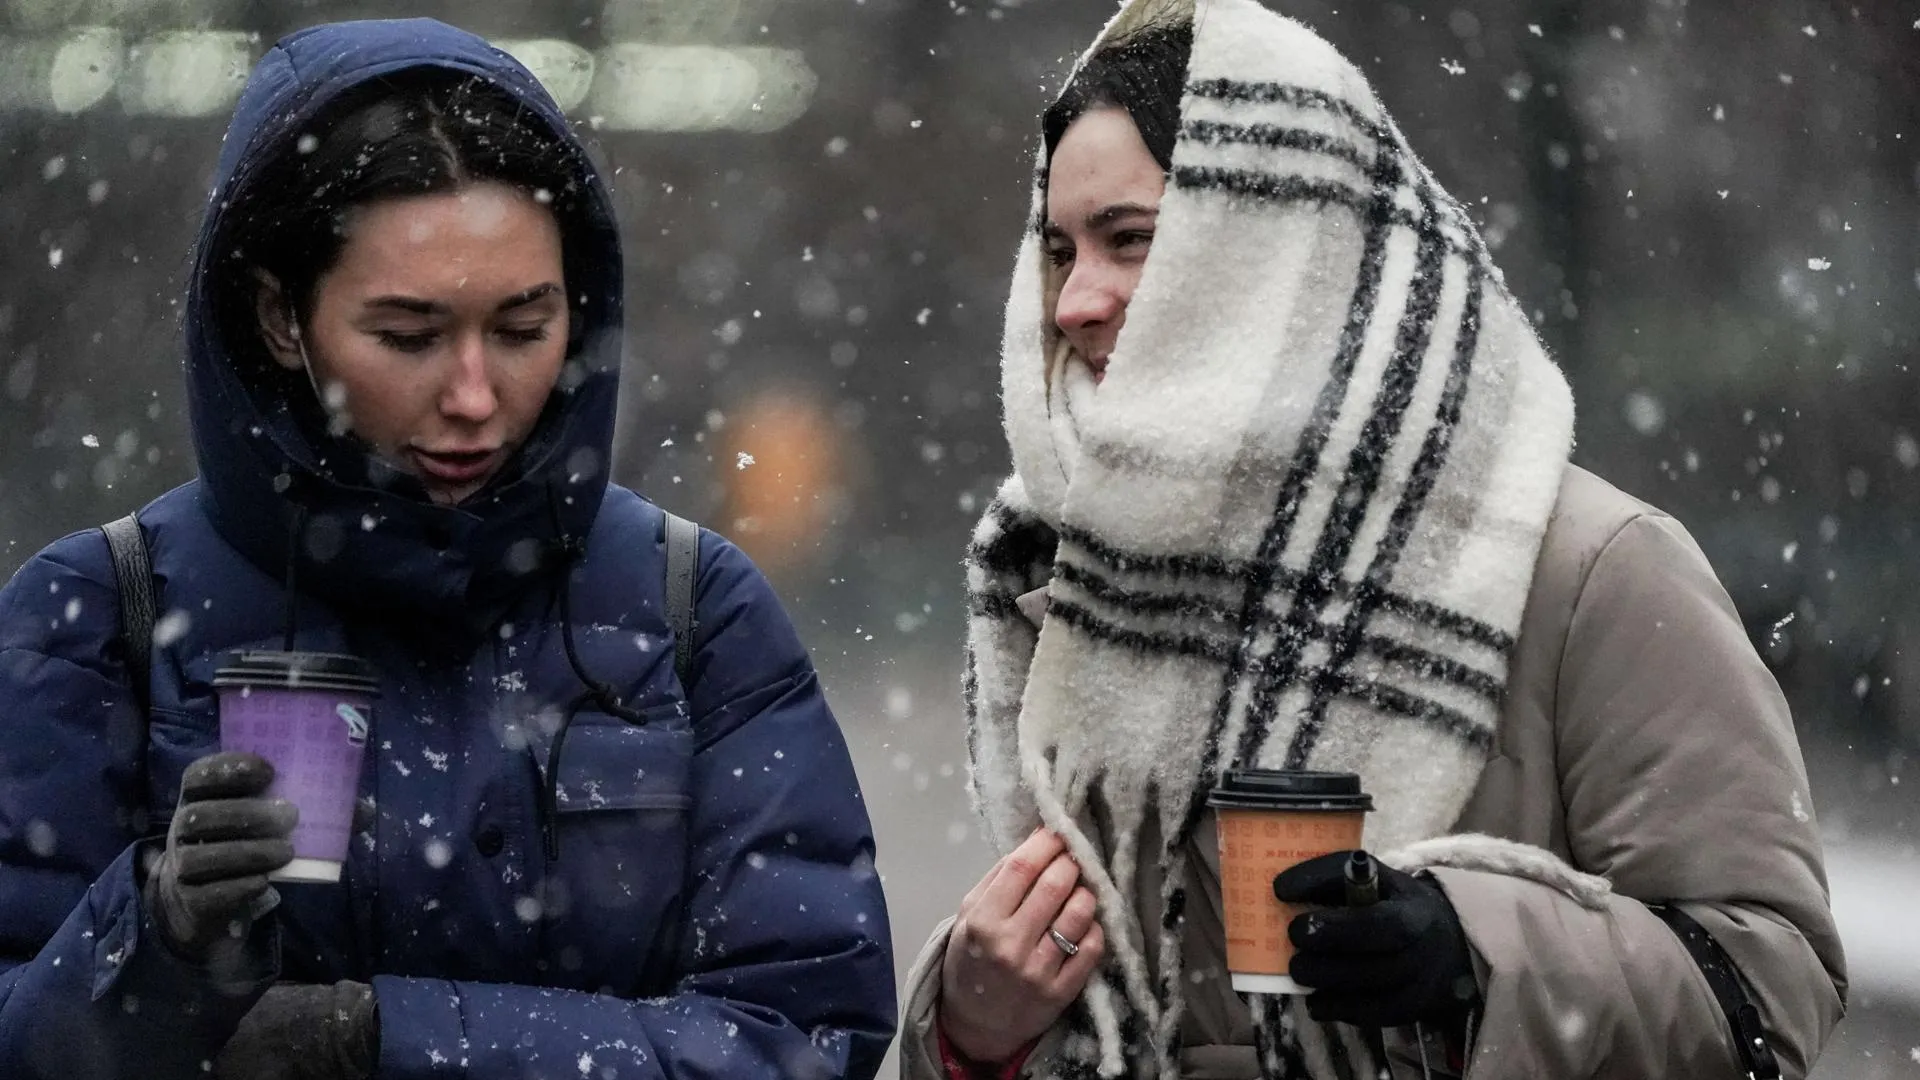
[
  {"x": 1105, "y": 216},
  {"x": 416, "y": 306}
]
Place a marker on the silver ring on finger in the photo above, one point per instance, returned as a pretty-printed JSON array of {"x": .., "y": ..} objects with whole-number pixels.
[{"x": 1060, "y": 939}]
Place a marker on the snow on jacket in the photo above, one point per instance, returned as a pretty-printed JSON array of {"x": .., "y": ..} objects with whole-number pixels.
[{"x": 713, "y": 910}]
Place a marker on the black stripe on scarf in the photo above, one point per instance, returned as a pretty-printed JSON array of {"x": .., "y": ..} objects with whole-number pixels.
[
  {"x": 1022, "y": 544},
  {"x": 1236, "y": 571},
  {"x": 1198, "y": 566},
  {"x": 1277, "y": 188},
  {"x": 1219, "y": 650},
  {"x": 992, "y": 604},
  {"x": 1190, "y": 605},
  {"x": 1425, "y": 473},
  {"x": 1306, "y": 459},
  {"x": 1128, "y": 604},
  {"x": 1273, "y": 137},
  {"x": 1274, "y": 1041},
  {"x": 1236, "y": 91},
  {"x": 1434, "y": 615},
  {"x": 1359, "y": 482},
  {"x": 970, "y": 694},
  {"x": 1434, "y": 666},
  {"x": 1337, "y": 1053}
]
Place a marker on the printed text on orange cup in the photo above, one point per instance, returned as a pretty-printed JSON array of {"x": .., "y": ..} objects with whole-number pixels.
[{"x": 1255, "y": 845}]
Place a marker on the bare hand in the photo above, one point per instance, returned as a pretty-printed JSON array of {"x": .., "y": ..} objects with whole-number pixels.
[{"x": 1004, "y": 980}]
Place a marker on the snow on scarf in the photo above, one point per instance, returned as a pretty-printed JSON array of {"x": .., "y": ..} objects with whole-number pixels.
[{"x": 1294, "y": 527}]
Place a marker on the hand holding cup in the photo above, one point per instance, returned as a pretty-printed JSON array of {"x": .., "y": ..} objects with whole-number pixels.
[
  {"x": 1023, "y": 947},
  {"x": 211, "y": 880},
  {"x": 1397, "y": 956}
]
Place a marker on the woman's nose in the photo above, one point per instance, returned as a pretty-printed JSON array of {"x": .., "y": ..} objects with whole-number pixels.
[
  {"x": 469, "y": 393},
  {"x": 1088, "y": 300}
]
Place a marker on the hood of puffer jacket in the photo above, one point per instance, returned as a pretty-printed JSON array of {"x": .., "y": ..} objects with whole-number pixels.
[{"x": 381, "y": 547}]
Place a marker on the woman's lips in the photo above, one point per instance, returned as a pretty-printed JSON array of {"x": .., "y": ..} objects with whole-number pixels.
[{"x": 455, "y": 467}]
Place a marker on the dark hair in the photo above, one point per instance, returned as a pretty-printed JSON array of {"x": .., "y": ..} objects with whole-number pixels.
[
  {"x": 1144, "y": 73},
  {"x": 424, "y": 131}
]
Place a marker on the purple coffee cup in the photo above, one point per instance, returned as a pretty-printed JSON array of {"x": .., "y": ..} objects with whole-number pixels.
[{"x": 308, "y": 714}]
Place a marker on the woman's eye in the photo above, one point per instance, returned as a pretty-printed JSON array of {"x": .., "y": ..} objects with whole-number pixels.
[
  {"x": 524, "y": 335},
  {"x": 1133, "y": 239},
  {"x": 402, "y": 342},
  {"x": 1060, "y": 256}
]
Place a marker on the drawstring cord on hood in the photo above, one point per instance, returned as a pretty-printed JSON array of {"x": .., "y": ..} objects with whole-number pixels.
[
  {"x": 597, "y": 693},
  {"x": 292, "y": 600}
]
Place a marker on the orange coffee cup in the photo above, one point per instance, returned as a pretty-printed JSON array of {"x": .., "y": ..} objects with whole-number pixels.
[{"x": 1271, "y": 820}]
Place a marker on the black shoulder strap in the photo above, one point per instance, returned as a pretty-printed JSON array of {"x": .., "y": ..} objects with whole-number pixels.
[
  {"x": 683, "y": 570},
  {"x": 1750, "y": 1038},
  {"x": 133, "y": 572}
]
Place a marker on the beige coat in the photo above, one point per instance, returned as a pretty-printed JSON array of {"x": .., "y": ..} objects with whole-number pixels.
[{"x": 1642, "y": 740}]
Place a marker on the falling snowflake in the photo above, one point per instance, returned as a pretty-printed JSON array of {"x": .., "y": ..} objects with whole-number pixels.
[
  {"x": 1816, "y": 263},
  {"x": 1453, "y": 67},
  {"x": 743, "y": 460},
  {"x": 171, "y": 628}
]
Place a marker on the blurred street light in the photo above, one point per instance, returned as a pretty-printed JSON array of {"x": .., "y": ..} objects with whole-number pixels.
[
  {"x": 132, "y": 15},
  {"x": 672, "y": 22},
  {"x": 187, "y": 73},
  {"x": 646, "y": 87},
  {"x": 70, "y": 73},
  {"x": 565, "y": 69}
]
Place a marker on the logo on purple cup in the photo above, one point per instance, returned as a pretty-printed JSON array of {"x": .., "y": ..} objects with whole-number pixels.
[{"x": 356, "y": 723}]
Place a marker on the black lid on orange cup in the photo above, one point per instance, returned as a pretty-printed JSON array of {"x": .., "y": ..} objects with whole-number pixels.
[{"x": 1289, "y": 789}]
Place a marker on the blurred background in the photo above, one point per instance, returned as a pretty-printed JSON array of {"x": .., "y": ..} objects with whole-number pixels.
[{"x": 1710, "y": 207}]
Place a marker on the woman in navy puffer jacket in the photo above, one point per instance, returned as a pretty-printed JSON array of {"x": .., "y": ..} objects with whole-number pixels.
[{"x": 404, "y": 333}]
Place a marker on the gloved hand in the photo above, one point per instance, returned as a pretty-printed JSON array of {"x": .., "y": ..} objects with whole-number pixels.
[
  {"x": 1401, "y": 960},
  {"x": 300, "y": 1032},
  {"x": 211, "y": 881}
]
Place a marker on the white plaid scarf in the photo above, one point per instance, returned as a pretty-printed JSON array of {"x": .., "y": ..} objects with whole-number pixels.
[{"x": 1295, "y": 526}]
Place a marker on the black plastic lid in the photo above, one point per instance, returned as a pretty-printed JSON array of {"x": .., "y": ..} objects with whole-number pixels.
[
  {"x": 1289, "y": 789},
  {"x": 297, "y": 671}
]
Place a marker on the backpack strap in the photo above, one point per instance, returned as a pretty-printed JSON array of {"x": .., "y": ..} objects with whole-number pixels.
[
  {"x": 133, "y": 572},
  {"x": 1749, "y": 1037},
  {"x": 683, "y": 570}
]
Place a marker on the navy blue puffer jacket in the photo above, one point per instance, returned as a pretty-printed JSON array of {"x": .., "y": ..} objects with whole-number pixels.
[{"x": 713, "y": 910}]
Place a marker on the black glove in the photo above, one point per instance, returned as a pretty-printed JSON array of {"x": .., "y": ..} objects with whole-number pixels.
[
  {"x": 299, "y": 1032},
  {"x": 1401, "y": 960},
  {"x": 210, "y": 883}
]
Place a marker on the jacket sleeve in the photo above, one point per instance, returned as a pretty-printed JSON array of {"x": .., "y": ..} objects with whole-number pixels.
[
  {"x": 1682, "y": 781},
  {"x": 87, "y": 990},
  {"x": 786, "y": 966}
]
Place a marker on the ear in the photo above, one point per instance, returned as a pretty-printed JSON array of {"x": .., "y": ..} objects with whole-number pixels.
[{"x": 279, "y": 329}]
